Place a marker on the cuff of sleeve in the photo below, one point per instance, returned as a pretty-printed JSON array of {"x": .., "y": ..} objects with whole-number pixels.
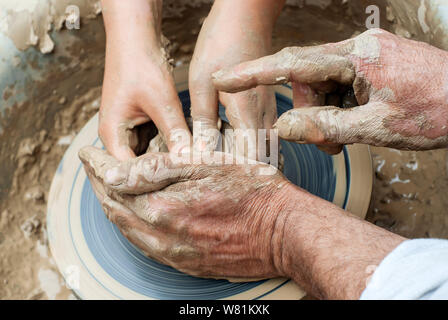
[{"x": 416, "y": 269}]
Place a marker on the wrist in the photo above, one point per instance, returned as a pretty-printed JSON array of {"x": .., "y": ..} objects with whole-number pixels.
[
  {"x": 132, "y": 24},
  {"x": 265, "y": 10},
  {"x": 255, "y": 15},
  {"x": 285, "y": 207}
]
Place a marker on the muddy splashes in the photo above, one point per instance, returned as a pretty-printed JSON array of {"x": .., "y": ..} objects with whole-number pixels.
[{"x": 29, "y": 22}]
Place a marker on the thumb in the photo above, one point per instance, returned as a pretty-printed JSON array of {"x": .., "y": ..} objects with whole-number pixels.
[
  {"x": 304, "y": 96},
  {"x": 331, "y": 125},
  {"x": 116, "y": 138},
  {"x": 147, "y": 173}
]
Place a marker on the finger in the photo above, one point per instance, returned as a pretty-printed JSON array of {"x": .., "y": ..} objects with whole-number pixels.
[
  {"x": 149, "y": 172},
  {"x": 252, "y": 109},
  {"x": 204, "y": 109},
  {"x": 247, "y": 112},
  {"x": 116, "y": 137},
  {"x": 305, "y": 96},
  {"x": 332, "y": 149},
  {"x": 139, "y": 220},
  {"x": 99, "y": 189},
  {"x": 294, "y": 64},
  {"x": 331, "y": 125},
  {"x": 169, "y": 118},
  {"x": 139, "y": 231},
  {"x": 206, "y": 134},
  {"x": 115, "y": 211},
  {"x": 128, "y": 212},
  {"x": 96, "y": 163},
  {"x": 143, "y": 174},
  {"x": 119, "y": 214}
]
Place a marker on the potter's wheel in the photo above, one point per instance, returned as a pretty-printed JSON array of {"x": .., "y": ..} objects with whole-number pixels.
[{"x": 99, "y": 263}]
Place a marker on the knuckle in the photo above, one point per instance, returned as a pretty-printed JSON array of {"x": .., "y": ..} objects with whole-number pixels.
[
  {"x": 156, "y": 218},
  {"x": 120, "y": 221},
  {"x": 149, "y": 167},
  {"x": 180, "y": 252},
  {"x": 163, "y": 250},
  {"x": 200, "y": 78},
  {"x": 175, "y": 253},
  {"x": 116, "y": 175},
  {"x": 295, "y": 51},
  {"x": 107, "y": 211},
  {"x": 183, "y": 227},
  {"x": 155, "y": 246},
  {"x": 329, "y": 125},
  {"x": 289, "y": 51}
]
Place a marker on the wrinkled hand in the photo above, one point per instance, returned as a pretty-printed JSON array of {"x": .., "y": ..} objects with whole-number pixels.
[
  {"x": 208, "y": 220},
  {"x": 234, "y": 31},
  {"x": 400, "y": 85},
  {"x": 138, "y": 85}
]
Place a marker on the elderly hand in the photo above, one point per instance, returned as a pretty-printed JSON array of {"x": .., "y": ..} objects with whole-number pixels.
[
  {"x": 138, "y": 86},
  {"x": 400, "y": 85},
  {"x": 234, "y": 31},
  {"x": 210, "y": 220},
  {"x": 238, "y": 222}
]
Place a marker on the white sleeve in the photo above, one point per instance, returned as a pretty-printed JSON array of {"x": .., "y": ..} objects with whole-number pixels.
[{"x": 415, "y": 270}]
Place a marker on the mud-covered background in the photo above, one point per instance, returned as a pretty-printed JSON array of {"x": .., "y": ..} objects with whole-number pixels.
[{"x": 41, "y": 114}]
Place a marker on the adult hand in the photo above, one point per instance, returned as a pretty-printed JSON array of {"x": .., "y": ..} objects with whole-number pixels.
[
  {"x": 138, "y": 86},
  {"x": 235, "y": 31},
  {"x": 218, "y": 220},
  {"x": 213, "y": 220},
  {"x": 400, "y": 85}
]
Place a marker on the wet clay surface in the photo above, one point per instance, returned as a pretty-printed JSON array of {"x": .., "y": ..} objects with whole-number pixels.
[
  {"x": 35, "y": 137},
  {"x": 409, "y": 193},
  {"x": 410, "y": 188},
  {"x": 27, "y": 270}
]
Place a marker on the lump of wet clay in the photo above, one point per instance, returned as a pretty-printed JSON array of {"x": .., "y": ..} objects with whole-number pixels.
[
  {"x": 157, "y": 143},
  {"x": 34, "y": 193},
  {"x": 30, "y": 226}
]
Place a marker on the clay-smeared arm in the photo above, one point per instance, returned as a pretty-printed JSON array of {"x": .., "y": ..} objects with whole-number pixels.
[
  {"x": 138, "y": 85},
  {"x": 400, "y": 85},
  {"x": 228, "y": 221}
]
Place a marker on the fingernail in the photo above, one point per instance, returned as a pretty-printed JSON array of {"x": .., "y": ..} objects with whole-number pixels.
[{"x": 281, "y": 80}]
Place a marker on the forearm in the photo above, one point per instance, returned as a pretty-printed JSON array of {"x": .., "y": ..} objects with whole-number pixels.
[
  {"x": 327, "y": 251},
  {"x": 132, "y": 24}
]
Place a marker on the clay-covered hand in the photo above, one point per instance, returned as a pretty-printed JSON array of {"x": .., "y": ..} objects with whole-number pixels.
[
  {"x": 235, "y": 31},
  {"x": 401, "y": 87},
  {"x": 210, "y": 220},
  {"x": 138, "y": 84}
]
